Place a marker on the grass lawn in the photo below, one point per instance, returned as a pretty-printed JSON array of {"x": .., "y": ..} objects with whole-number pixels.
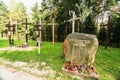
[
  {"x": 107, "y": 62},
  {"x": 4, "y": 42}
]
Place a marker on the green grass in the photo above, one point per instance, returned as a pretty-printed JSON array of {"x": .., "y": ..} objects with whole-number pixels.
[
  {"x": 5, "y": 43},
  {"x": 50, "y": 53},
  {"x": 107, "y": 62}
]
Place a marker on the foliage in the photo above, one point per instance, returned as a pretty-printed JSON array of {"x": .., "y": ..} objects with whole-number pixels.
[
  {"x": 3, "y": 16},
  {"x": 89, "y": 25},
  {"x": 63, "y": 9},
  {"x": 36, "y": 17},
  {"x": 102, "y": 36},
  {"x": 116, "y": 30},
  {"x": 17, "y": 11},
  {"x": 36, "y": 13}
]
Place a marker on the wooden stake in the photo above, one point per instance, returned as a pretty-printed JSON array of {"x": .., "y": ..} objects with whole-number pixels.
[
  {"x": 53, "y": 30},
  {"x": 73, "y": 23},
  {"x": 107, "y": 32},
  {"x": 40, "y": 30},
  {"x": 9, "y": 25}
]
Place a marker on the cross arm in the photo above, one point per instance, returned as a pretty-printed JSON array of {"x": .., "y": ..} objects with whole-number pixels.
[
  {"x": 74, "y": 19},
  {"x": 49, "y": 24},
  {"x": 103, "y": 24},
  {"x": 26, "y": 23}
]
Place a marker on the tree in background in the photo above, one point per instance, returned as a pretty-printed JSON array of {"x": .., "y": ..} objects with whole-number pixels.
[
  {"x": 35, "y": 12},
  {"x": 90, "y": 25},
  {"x": 17, "y": 11},
  {"x": 86, "y": 9},
  {"x": 35, "y": 18},
  {"x": 115, "y": 31},
  {"x": 82, "y": 8},
  {"x": 3, "y": 17}
]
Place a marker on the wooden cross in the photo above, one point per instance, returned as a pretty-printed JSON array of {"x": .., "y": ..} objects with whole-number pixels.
[
  {"x": 107, "y": 32},
  {"x": 10, "y": 29},
  {"x": 53, "y": 26},
  {"x": 26, "y": 32},
  {"x": 73, "y": 22},
  {"x": 37, "y": 25}
]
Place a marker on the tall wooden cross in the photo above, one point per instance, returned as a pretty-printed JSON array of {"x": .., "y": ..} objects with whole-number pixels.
[
  {"x": 73, "y": 22},
  {"x": 107, "y": 32},
  {"x": 26, "y": 31},
  {"x": 53, "y": 26},
  {"x": 37, "y": 29},
  {"x": 38, "y": 37},
  {"x": 10, "y": 30}
]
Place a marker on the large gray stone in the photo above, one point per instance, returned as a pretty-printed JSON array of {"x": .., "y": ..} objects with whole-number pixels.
[{"x": 80, "y": 48}]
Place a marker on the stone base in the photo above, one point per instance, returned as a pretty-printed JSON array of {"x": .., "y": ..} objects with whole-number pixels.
[{"x": 76, "y": 73}]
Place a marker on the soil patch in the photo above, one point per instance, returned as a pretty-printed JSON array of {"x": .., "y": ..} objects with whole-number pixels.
[{"x": 18, "y": 48}]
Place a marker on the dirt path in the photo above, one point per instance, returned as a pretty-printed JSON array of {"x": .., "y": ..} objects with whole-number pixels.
[
  {"x": 25, "y": 71},
  {"x": 11, "y": 74},
  {"x": 22, "y": 70},
  {"x": 18, "y": 48}
]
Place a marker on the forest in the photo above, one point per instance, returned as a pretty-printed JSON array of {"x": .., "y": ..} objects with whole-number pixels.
[{"x": 99, "y": 17}]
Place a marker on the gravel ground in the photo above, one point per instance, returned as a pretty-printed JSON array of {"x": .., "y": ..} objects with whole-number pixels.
[
  {"x": 25, "y": 71},
  {"x": 11, "y": 74}
]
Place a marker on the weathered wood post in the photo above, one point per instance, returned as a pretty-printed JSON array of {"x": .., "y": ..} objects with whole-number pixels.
[
  {"x": 26, "y": 31},
  {"x": 10, "y": 30},
  {"x": 53, "y": 38},
  {"x": 53, "y": 29},
  {"x": 73, "y": 23},
  {"x": 107, "y": 32},
  {"x": 37, "y": 31},
  {"x": 17, "y": 34}
]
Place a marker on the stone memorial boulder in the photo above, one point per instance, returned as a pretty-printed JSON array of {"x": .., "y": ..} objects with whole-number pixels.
[{"x": 79, "y": 50}]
